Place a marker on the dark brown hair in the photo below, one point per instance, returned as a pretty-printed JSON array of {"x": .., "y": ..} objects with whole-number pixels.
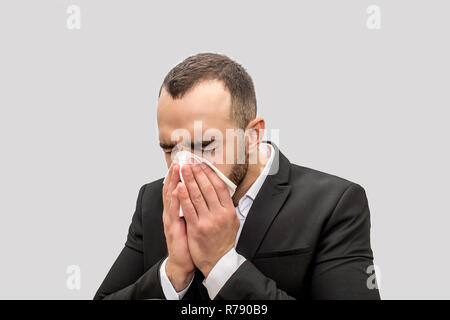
[{"x": 213, "y": 66}]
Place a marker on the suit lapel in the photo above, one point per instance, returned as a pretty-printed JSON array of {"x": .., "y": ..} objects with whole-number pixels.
[{"x": 266, "y": 206}]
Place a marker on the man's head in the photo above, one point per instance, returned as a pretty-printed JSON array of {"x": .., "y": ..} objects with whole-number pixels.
[{"x": 202, "y": 101}]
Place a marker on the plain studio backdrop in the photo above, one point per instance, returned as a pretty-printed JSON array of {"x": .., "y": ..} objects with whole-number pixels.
[{"x": 79, "y": 137}]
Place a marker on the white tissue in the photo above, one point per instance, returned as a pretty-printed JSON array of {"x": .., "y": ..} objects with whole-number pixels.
[{"x": 182, "y": 157}]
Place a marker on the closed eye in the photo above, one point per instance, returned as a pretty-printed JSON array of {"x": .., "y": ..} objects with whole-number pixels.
[{"x": 204, "y": 147}]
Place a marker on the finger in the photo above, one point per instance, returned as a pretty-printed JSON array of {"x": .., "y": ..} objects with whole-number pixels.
[
  {"x": 221, "y": 188},
  {"x": 206, "y": 187},
  {"x": 174, "y": 211},
  {"x": 167, "y": 182},
  {"x": 185, "y": 202},
  {"x": 193, "y": 190},
  {"x": 174, "y": 179}
]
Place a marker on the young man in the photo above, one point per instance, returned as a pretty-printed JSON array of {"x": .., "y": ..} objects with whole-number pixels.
[{"x": 287, "y": 232}]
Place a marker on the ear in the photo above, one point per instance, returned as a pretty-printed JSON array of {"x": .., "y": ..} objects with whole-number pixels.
[{"x": 255, "y": 132}]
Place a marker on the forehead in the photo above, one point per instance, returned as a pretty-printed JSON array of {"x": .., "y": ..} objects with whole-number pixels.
[{"x": 208, "y": 102}]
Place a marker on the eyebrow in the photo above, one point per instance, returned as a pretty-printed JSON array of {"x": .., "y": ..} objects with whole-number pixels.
[{"x": 194, "y": 145}]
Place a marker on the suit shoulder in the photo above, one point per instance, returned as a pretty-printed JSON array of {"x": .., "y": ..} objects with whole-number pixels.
[
  {"x": 153, "y": 186},
  {"x": 304, "y": 177},
  {"x": 151, "y": 190},
  {"x": 328, "y": 192}
]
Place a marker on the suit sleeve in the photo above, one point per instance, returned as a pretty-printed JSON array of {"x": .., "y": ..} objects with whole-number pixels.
[
  {"x": 127, "y": 278},
  {"x": 339, "y": 269},
  {"x": 344, "y": 253},
  {"x": 248, "y": 283}
]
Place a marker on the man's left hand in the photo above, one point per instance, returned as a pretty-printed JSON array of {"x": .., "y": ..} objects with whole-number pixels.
[{"x": 211, "y": 220}]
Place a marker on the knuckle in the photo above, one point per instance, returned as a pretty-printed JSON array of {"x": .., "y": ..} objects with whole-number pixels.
[
  {"x": 220, "y": 220},
  {"x": 200, "y": 229},
  {"x": 231, "y": 219},
  {"x": 221, "y": 186},
  {"x": 166, "y": 222},
  {"x": 203, "y": 227},
  {"x": 227, "y": 214},
  {"x": 228, "y": 218},
  {"x": 208, "y": 170},
  {"x": 197, "y": 198},
  {"x": 169, "y": 235},
  {"x": 209, "y": 189},
  {"x": 183, "y": 196}
]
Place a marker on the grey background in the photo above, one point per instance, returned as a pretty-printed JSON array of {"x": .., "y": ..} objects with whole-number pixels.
[{"x": 78, "y": 130}]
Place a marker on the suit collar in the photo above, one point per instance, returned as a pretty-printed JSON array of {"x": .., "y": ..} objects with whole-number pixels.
[{"x": 267, "y": 204}]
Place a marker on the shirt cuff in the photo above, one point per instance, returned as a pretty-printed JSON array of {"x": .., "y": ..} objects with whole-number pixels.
[
  {"x": 169, "y": 291},
  {"x": 222, "y": 271}
]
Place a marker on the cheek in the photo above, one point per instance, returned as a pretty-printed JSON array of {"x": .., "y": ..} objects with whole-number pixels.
[
  {"x": 222, "y": 156},
  {"x": 217, "y": 156},
  {"x": 224, "y": 168},
  {"x": 234, "y": 152}
]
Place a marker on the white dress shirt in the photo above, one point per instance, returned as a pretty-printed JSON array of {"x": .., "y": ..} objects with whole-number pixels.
[{"x": 231, "y": 261}]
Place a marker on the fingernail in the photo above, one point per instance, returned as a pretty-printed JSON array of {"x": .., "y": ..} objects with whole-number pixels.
[{"x": 203, "y": 166}]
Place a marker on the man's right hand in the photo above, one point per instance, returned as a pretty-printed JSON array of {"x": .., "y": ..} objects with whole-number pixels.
[{"x": 179, "y": 266}]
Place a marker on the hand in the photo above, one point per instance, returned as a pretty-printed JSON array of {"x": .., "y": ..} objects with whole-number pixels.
[
  {"x": 179, "y": 266},
  {"x": 212, "y": 224}
]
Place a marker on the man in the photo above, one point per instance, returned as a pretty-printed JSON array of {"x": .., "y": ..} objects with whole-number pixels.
[{"x": 288, "y": 232}]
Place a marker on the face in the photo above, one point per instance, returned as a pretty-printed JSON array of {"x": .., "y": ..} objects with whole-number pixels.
[{"x": 201, "y": 123}]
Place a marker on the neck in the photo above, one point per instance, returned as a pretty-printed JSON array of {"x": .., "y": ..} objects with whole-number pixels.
[{"x": 253, "y": 172}]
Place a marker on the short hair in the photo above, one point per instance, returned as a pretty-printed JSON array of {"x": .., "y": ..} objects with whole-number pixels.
[{"x": 213, "y": 66}]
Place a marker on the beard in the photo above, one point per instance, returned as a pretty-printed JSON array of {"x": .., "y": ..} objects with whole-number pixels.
[{"x": 239, "y": 171}]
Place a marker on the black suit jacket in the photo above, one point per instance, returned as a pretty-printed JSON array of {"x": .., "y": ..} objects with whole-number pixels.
[{"x": 307, "y": 235}]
